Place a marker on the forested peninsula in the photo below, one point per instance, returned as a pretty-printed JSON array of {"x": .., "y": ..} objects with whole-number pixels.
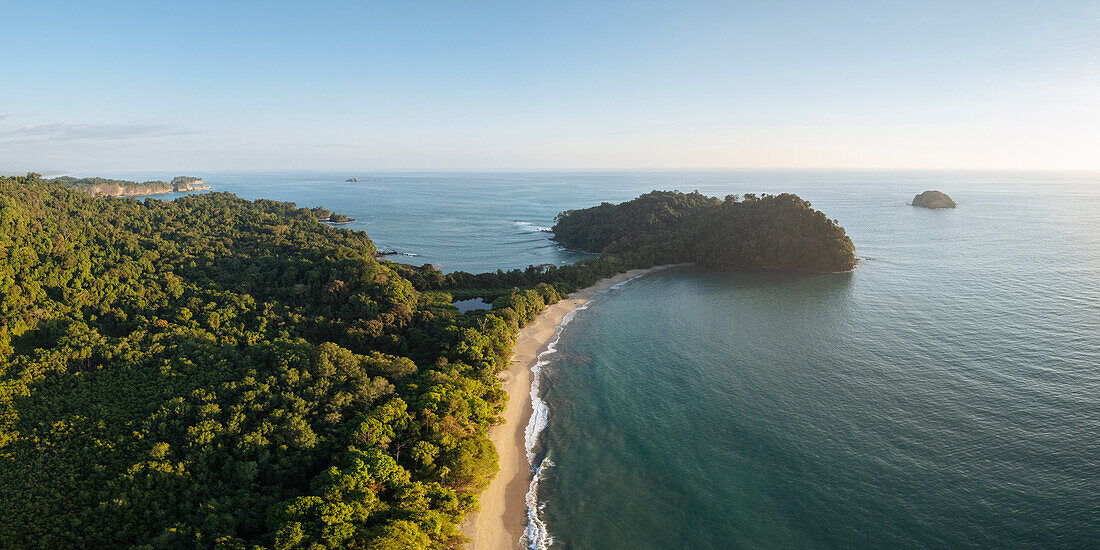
[
  {"x": 212, "y": 372},
  {"x": 127, "y": 188},
  {"x": 767, "y": 232}
]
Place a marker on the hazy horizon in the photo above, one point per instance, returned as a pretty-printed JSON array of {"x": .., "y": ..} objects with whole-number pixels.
[
  {"x": 369, "y": 172},
  {"x": 497, "y": 87}
]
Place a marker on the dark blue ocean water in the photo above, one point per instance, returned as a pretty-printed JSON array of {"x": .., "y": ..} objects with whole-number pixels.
[{"x": 946, "y": 394}]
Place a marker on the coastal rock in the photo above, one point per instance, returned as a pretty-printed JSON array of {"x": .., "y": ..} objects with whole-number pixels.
[
  {"x": 933, "y": 199},
  {"x": 337, "y": 218},
  {"x": 353, "y": 180},
  {"x": 183, "y": 184}
]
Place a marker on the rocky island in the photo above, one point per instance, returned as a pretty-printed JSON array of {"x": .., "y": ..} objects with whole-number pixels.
[
  {"x": 352, "y": 180},
  {"x": 933, "y": 199}
]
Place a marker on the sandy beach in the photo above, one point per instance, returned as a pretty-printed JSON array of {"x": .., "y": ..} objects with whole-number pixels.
[{"x": 503, "y": 516}]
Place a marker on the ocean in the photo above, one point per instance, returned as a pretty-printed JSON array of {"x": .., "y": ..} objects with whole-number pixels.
[{"x": 945, "y": 394}]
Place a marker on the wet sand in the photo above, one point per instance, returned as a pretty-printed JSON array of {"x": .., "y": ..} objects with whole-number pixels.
[{"x": 503, "y": 516}]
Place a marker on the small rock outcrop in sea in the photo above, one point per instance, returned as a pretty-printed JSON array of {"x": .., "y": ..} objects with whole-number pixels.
[
  {"x": 933, "y": 199},
  {"x": 352, "y": 179}
]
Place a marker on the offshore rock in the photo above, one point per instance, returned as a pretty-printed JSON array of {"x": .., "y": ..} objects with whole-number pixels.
[{"x": 933, "y": 199}]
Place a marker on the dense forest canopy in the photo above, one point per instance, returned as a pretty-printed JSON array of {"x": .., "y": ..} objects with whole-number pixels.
[
  {"x": 765, "y": 232},
  {"x": 212, "y": 372},
  {"x": 217, "y": 373}
]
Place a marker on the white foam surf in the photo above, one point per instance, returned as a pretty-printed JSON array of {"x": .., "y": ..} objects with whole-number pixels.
[
  {"x": 529, "y": 226},
  {"x": 621, "y": 284},
  {"x": 536, "y": 535}
]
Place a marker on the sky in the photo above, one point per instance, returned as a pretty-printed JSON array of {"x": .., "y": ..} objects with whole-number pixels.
[{"x": 563, "y": 85}]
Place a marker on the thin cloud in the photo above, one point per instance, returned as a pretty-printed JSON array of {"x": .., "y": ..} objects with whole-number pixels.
[
  {"x": 87, "y": 132},
  {"x": 4, "y": 114}
]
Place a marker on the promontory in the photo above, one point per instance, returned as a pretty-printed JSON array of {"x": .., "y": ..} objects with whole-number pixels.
[
  {"x": 772, "y": 232},
  {"x": 126, "y": 188}
]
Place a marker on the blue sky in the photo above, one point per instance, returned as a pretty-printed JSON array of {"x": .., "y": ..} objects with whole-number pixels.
[{"x": 549, "y": 85}]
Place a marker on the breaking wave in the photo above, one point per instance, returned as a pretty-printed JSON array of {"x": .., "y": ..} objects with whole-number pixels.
[
  {"x": 529, "y": 226},
  {"x": 536, "y": 535}
]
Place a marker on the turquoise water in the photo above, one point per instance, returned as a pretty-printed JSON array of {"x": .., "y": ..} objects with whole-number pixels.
[{"x": 943, "y": 395}]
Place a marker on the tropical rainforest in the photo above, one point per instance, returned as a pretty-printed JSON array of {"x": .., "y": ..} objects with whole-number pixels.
[
  {"x": 766, "y": 232},
  {"x": 211, "y": 372}
]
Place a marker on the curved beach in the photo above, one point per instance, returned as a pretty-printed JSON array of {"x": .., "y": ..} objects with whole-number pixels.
[{"x": 503, "y": 517}]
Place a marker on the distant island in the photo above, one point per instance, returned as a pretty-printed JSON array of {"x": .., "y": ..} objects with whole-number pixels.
[
  {"x": 218, "y": 372},
  {"x": 933, "y": 199},
  {"x": 126, "y": 188},
  {"x": 352, "y": 179}
]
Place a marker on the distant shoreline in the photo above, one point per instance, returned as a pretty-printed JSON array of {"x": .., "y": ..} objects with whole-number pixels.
[
  {"x": 503, "y": 517},
  {"x": 155, "y": 193},
  {"x": 97, "y": 186}
]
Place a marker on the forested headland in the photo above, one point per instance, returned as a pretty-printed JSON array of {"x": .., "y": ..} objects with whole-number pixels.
[
  {"x": 752, "y": 232},
  {"x": 127, "y": 188},
  {"x": 212, "y": 372},
  {"x": 766, "y": 232}
]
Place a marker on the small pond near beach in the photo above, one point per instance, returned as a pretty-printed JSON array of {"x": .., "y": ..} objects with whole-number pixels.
[{"x": 472, "y": 304}]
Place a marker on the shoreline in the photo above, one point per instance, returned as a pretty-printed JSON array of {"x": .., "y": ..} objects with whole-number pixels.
[
  {"x": 138, "y": 193},
  {"x": 503, "y": 517}
]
